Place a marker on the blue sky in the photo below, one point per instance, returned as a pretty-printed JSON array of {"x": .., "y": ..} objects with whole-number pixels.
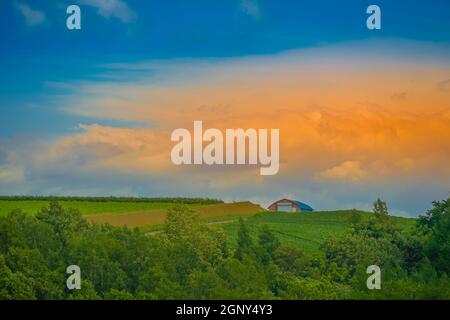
[
  {"x": 34, "y": 54},
  {"x": 61, "y": 91}
]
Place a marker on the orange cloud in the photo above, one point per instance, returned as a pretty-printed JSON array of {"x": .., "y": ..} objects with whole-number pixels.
[
  {"x": 386, "y": 115},
  {"x": 348, "y": 171},
  {"x": 108, "y": 148}
]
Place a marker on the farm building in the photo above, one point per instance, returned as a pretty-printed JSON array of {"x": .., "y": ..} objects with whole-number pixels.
[{"x": 286, "y": 205}]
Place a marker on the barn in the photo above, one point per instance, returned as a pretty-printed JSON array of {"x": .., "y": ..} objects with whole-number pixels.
[{"x": 286, "y": 205}]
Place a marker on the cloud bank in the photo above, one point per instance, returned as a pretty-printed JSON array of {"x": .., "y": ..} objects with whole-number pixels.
[{"x": 344, "y": 139}]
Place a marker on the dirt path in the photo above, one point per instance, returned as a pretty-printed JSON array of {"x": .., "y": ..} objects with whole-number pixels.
[{"x": 151, "y": 233}]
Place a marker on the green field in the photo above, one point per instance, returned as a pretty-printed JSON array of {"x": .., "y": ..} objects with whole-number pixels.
[
  {"x": 145, "y": 215},
  {"x": 306, "y": 230},
  {"x": 85, "y": 207}
]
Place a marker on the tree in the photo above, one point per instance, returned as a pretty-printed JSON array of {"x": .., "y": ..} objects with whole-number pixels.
[
  {"x": 87, "y": 292},
  {"x": 64, "y": 222},
  {"x": 244, "y": 243},
  {"x": 115, "y": 294},
  {"x": 183, "y": 230},
  {"x": 380, "y": 207},
  {"x": 291, "y": 259},
  {"x": 31, "y": 264},
  {"x": 14, "y": 285},
  {"x": 355, "y": 217},
  {"x": 206, "y": 285},
  {"x": 268, "y": 241},
  {"x": 245, "y": 279},
  {"x": 436, "y": 228},
  {"x": 434, "y": 215},
  {"x": 181, "y": 223}
]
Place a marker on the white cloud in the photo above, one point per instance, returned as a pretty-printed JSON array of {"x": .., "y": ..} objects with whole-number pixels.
[
  {"x": 111, "y": 8},
  {"x": 11, "y": 173},
  {"x": 32, "y": 17},
  {"x": 444, "y": 85},
  {"x": 348, "y": 171},
  {"x": 250, "y": 7}
]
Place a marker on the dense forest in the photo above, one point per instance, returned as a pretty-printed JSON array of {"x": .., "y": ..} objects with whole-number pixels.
[{"x": 191, "y": 260}]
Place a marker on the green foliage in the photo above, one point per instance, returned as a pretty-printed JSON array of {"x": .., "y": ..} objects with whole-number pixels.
[
  {"x": 115, "y": 294},
  {"x": 192, "y": 260},
  {"x": 268, "y": 242},
  {"x": 435, "y": 225},
  {"x": 355, "y": 217},
  {"x": 380, "y": 207},
  {"x": 374, "y": 242},
  {"x": 291, "y": 259},
  {"x": 313, "y": 289},
  {"x": 87, "y": 292},
  {"x": 307, "y": 230},
  {"x": 434, "y": 215},
  {"x": 245, "y": 246},
  {"x": 14, "y": 285}
]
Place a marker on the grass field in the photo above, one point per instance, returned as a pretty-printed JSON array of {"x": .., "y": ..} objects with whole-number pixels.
[
  {"x": 85, "y": 207},
  {"x": 306, "y": 230}
]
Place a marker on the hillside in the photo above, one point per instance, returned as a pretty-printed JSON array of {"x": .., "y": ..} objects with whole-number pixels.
[
  {"x": 205, "y": 263},
  {"x": 143, "y": 214},
  {"x": 306, "y": 230},
  {"x": 97, "y": 205}
]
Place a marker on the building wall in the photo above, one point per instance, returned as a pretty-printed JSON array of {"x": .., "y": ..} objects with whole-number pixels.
[{"x": 273, "y": 206}]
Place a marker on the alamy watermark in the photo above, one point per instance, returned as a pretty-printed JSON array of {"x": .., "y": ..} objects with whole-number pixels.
[
  {"x": 374, "y": 20},
  {"x": 73, "y": 21},
  {"x": 236, "y": 146},
  {"x": 74, "y": 280},
  {"x": 374, "y": 280}
]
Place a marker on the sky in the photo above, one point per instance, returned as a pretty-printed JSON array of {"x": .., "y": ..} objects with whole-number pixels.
[{"x": 362, "y": 113}]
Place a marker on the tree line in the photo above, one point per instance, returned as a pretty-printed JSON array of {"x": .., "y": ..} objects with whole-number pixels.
[{"x": 176, "y": 200}]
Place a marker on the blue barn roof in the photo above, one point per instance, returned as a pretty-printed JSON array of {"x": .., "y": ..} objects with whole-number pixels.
[{"x": 303, "y": 206}]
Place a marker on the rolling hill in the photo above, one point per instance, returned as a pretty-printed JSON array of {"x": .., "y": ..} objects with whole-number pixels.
[
  {"x": 306, "y": 230},
  {"x": 146, "y": 215}
]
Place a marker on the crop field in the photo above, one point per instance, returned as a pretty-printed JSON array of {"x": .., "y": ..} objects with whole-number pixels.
[
  {"x": 209, "y": 212},
  {"x": 145, "y": 215},
  {"x": 306, "y": 230}
]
